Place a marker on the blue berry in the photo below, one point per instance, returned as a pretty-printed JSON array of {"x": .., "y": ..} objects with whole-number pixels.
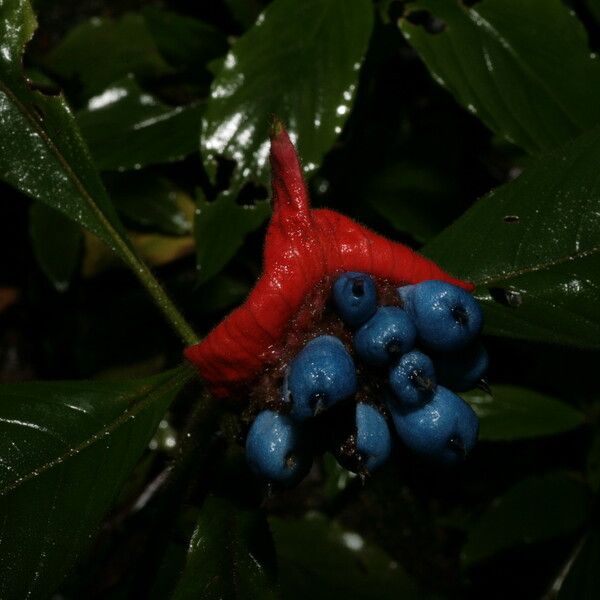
[
  {"x": 413, "y": 379},
  {"x": 462, "y": 370},
  {"x": 321, "y": 375},
  {"x": 276, "y": 448},
  {"x": 447, "y": 317},
  {"x": 445, "y": 429},
  {"x": 388, "y": 334},
  {"x": 355, "y": 297},
  {"x": 373, "y": 439}
]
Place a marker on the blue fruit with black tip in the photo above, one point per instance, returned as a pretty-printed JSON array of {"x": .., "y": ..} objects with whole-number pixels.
[
  {"x": 277, "y": 448},
  {"x": 355, "y": 297},
  {"x": 389, "y": 333},
  {"x": 447, "y": 317},
  {"x": 373, "y": 439},
  {"x": 322, "y": 374},
  {"x": 413, "y": 379},
  {"x": 443, "y": 430},
  {"x": 462, "y": 370}
]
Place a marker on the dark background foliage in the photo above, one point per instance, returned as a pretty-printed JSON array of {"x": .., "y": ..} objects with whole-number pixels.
[{"x": 467, "y": 130}]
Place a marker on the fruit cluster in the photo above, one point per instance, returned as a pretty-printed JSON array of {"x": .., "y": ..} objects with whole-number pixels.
[{"x": 396, "y": 365}]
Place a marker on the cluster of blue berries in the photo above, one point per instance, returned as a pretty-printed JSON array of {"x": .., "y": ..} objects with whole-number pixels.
[{"x": 410, "y": 354}]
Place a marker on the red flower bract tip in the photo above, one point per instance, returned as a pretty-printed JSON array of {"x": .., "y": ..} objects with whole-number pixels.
[{"x": 304, "y": 249}]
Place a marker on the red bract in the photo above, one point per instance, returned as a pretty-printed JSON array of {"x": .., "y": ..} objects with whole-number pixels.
[{"x": 303, "y": 247}]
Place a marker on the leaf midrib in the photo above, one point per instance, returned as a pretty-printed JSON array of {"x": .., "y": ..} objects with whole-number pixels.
[
  {"x": 539, "y": 267},
  {"x": 179, "y": 378},
  {"x": 105, "y": 223}
]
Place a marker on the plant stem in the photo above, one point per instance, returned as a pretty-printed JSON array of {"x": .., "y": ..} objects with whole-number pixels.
[{"x": 162, "y": 300}]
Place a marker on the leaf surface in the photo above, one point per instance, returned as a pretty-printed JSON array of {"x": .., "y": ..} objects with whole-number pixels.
[
  {"x": 42, "y": 153},
  {"x": 517, "y": 65},
  {"x": 514, "y": 413},
  {"x": 66, "y": 448},
  {"x": 533, "y": 511},
  {"x": 532, "y": 247},
  {"x": 127, "y": 128},
  {"x": 231, "y": 555},
  {"x": 300, "y": 62}
]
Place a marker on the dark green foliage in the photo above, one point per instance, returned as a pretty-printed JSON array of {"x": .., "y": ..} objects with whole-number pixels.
[{"x": 470, "y": 128}]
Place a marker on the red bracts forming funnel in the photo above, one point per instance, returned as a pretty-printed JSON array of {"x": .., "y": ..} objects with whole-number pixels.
[{"x": 303, "y": 247}]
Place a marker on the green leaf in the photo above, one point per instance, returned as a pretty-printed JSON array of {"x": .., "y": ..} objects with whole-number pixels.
[
  {"x": 518, "y": 66},
  {"x": 592, "y": 471},
  {"x": 515, "y": 413},
  {"x": 533, "y": 511},
  {"x": 320, "y": 560},
  {"x": 300, "y": 62},
  {"x": 216, "y": 244},
  {"x": 594, "y": 7},
  {"x": 532, "y": 248},
  {"x": 583, "y": 578},
  {"x": 65, "y": 451},
  {"x": 56, "y": 244},
  {"x": 413, "y": 199},
  {"x": 222, "y": 292},
  {"x": 151, "y": 201},
  {"x": 183, "y": 41},
  {"x": 42, "y": 153},
  {"x": 230, "y": 555},
  {"x": 101, "y": 51},
  {"x": 127, "y": 128},
  {"x": 245, "y": 12}
]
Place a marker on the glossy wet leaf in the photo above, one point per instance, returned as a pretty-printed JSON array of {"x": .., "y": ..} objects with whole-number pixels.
[
  {"x": 300, "y": 61},
  {"x": 66, "y": 449},
  {"x": 42, "y": 153},
  {"x": 100, "y": 51},
  {"x": 517, "y": 65},
  {"x": 185, "y": 42},
  {"x": 56, "y": 243},
  {"x": 319, "y": 559},
  {"x": 514, "y": 413},
  {"x": 150, "y": 201},
  {"x": 127, "y": 128},
  {"x": 230, "y": 555},
  {"x": 534, "y": 510},
  {"x": 220, "y": 229},
  {"x": 532, "y": 248}
]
